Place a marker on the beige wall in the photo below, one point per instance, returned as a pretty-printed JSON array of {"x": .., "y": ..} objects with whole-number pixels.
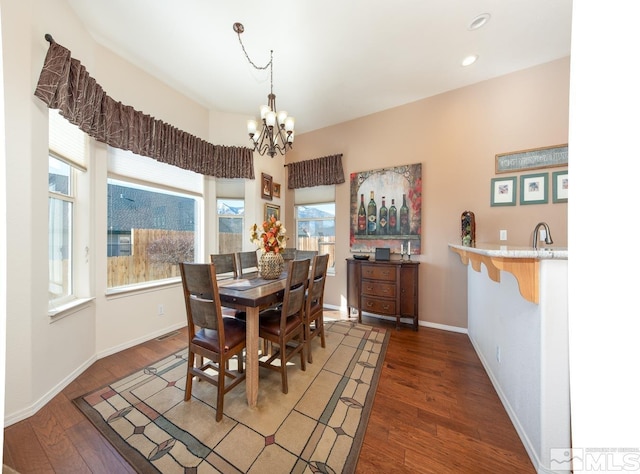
[{"x": 455, "y": 136}]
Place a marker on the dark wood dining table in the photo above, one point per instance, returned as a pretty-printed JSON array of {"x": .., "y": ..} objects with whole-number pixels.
[{"x": 249, "y": 293}]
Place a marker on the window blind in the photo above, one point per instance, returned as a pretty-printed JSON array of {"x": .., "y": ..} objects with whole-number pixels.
[{"x": 67, "y": 141}]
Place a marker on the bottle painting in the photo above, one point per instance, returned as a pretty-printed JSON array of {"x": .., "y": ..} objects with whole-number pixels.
[
  {"x": 383, "y": 221},
  {"x": 372, "y": 218},
  {"x": 362, "y": 217},
  {"x": 404, "y": 216}
]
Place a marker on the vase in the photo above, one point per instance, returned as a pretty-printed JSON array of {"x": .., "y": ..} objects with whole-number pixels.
[{"x": 271, "y": 265}]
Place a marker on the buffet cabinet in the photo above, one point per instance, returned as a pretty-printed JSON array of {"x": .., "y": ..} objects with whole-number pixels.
[{"x": 387, "y": 288}]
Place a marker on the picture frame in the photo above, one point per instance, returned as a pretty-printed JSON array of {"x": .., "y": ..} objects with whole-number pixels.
[
  {"x": 266, "y": 186},
  {"x": 271, "y": 210},
  {"x": 276, "y": 190},
  {"x": 560, "y": 181},
  {"x": 503, "y": 191},
  {"x": 534, "y": 188}
]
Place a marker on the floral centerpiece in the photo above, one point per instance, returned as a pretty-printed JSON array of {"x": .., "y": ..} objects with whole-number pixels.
[{"x": 271, "y": 239}]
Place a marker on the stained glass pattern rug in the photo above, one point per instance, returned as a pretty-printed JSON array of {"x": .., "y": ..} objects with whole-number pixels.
[{"x": 318, "y": 427}]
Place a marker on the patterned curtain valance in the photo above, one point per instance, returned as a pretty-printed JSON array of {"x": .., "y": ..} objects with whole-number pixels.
[
  {"x": 65, "y": 84},
  {"x": 316, "y": 172}
]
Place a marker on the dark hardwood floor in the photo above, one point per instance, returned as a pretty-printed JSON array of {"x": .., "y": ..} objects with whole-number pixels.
[{"x": 435, "y": 411}]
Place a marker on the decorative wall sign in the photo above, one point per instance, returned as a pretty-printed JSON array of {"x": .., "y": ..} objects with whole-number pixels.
[
  {"x": 386, "y": 209},
  {"x": 534, "y": 188},
  {"x": 560, "y": 186},
  {"x": 503, "y": 191},
  {"x": 546, "y": 157}
]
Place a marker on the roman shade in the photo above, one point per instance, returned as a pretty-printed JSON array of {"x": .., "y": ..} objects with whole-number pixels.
[
  {"x": 66, "y": 85},
  {"x": 316, "y": 172}
]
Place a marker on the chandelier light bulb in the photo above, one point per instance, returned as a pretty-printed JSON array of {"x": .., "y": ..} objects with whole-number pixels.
[
  {"x": 282, "y": 117},
  {"x": 289, "y": 123},
  {"x": 252, "y": 126},
  {"x": 264, "y": 110},
  {"x": 270, "y": 118}
]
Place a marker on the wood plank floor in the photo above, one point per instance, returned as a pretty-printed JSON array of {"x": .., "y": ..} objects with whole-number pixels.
[{"x": 435, "y": 411}]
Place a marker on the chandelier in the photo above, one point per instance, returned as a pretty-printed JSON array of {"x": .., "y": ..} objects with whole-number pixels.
[{"x": 276, "y": 128}]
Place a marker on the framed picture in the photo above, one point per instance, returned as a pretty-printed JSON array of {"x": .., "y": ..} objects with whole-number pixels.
[
  {"x": 267, "y": 187},
  {"x": 271, "y": 210},
  {"x": 560, "y": 186},
  {"x": 276, "y": 190},
  {"x": 533, "y": 188},
  {"x": 503, "y": 191},
  {"x": 386, "y": 209}
]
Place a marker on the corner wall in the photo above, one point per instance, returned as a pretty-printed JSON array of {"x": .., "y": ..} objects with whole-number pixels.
[{"x": 455, "y": 136}]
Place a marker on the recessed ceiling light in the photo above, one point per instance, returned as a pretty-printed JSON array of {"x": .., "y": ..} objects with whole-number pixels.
[
  {"x": 469, "y": 60},
  {"x": 479, "y": 21}
]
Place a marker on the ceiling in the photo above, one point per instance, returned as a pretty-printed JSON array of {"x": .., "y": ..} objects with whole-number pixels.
[{"x": 334, "y": 60}]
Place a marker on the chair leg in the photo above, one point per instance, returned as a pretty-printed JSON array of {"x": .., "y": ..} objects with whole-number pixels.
[
  {"x": 221, "y": 380},
  {"x": 187, "y": 388}
]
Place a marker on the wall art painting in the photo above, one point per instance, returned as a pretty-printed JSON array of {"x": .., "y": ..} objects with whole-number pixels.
[{"x": 386, "y": 209}]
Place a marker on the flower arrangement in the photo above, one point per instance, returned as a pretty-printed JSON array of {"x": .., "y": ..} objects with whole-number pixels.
[{"x": 272, "y": 237}]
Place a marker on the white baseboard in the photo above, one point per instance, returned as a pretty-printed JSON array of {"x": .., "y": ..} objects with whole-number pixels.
[
  {"x": 47, "y": 397},
  {"x": 50, "y": 395},
  {"x": 426, "y": 324}
]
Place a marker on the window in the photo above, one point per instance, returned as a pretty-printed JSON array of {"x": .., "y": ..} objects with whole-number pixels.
[
  {"x": 153, "y": 219},
  {"x": 316, "y": 229},
  {"x": 230, "y": 225},
  {"x": 67, "y": 155},
  {"x": 61, "y": 202}
]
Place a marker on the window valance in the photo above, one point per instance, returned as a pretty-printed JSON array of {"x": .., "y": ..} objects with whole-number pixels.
[
  {"x": 65, "y": 84},
  {"x": 315, "y": 172}
]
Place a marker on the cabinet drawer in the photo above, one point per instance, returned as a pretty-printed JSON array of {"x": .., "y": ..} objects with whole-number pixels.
[
  {"x": 378, "y": 306},
  {"x": 379, "y": 272},
  {"x": 379, "y": 288}
]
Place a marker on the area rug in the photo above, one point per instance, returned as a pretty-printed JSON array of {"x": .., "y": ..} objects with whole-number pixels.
[{"x": 317, "y": 427}]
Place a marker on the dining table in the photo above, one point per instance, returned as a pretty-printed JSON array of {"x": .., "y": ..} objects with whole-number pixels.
[{"x": 250, "y": 293}]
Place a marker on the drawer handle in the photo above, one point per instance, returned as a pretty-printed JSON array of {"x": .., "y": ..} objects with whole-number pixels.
[
  {"x": 386, "y": 306},
  {"x": 369, "y": 304},
  {"x": 370, "y": 288},
  {"x": 386, "y": 290},
  {"x": 385, "y": 273}
]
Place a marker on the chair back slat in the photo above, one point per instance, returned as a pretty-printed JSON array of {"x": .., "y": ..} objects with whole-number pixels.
[
  {"x": 294, "y": 295},
  {"x": 318, "y": 278},
  {"x": 303, "y": 254},
  {"x": 247, "y": 262},
  {"x": 201, "y": 296},
  {"x": 226, "y": 266}
]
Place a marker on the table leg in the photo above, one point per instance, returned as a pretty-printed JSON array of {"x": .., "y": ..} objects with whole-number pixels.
[{"x": 252, "y": 367}]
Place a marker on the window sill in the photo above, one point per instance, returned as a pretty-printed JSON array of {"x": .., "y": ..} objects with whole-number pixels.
[
  {"x": 142, "y": 287},
  {"x": 67, "y": 309}
]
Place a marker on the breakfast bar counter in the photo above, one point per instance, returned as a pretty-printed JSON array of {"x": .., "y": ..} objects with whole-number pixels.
[{"x": 517, "y": 320}]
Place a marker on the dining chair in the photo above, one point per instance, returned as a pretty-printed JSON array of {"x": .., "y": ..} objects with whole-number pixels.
[
  {"x": 289, "y": 253},
  {"x": 213, "y": 338},
  {"x": 226, "y": 266},
  {"x": 303, "y": 254},
  {"x": 284, "y": 326},
  {"x": 313, "y": 309},
  {"x": 247, "y": 262}
]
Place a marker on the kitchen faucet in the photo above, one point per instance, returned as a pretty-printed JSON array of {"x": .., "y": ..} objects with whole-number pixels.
[{"x": 547, "y": 238}]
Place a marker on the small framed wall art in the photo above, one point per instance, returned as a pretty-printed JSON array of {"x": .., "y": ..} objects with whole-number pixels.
[
  {"x": 267, "y": 187},
  {"x": 276, "y": 190},
  {"x": 503, "y": 191},
  {"x": 271, "y": 210},
  {"x": 560, "y": 186},
  {"x": 534, "y": 188}
]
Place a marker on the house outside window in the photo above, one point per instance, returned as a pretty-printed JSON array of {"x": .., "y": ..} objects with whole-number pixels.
[
  {"x": 230, "y": 225},
  {"x": 316, "y": 229},
  {"x": 153, "y": 220}
]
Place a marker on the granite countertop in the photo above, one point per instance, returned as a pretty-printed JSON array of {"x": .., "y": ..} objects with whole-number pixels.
[{"x": 513, "y": 251}]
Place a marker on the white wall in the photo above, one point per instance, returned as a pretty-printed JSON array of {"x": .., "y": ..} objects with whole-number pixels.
[{"x": 53, "y": 354}]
